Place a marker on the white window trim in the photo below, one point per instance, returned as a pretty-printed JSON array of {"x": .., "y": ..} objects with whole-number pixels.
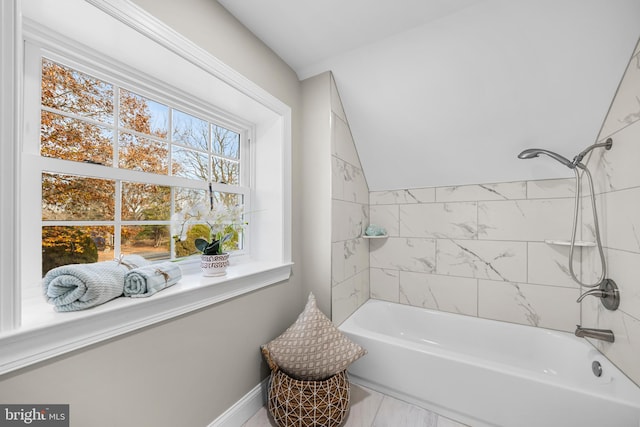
[
  {"x": 10, "y": 79},
  {"x": 63, "y": 332},
  {"x": 75, "y": 330}
]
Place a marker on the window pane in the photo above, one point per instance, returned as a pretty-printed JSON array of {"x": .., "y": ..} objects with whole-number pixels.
[
  {"x": 74, "y": 198},
  {"x": 190, "y": 130},
  {"x": 73, "y": 92},
  {"x": 75, "y": 245},
  {"x": 186, "y": 198},
  {"x": 71, "y": 139},
  {"x": 186, "y": 246},
  {"x": 150, "y": 241},
  {"x": 145, "y": 202},
  {"x": 225, "y": 171},
  {"x": 143, "y": 115},
  {"x": 230, "y": 200},
  {"x": 184, "y": 233},
  {"x": 143, "y": 154},
  {"x": 189, "y": 164},
  {"x": 225, "y": 142}
]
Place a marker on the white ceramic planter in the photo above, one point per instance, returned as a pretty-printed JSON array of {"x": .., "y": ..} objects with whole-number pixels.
[{"x": 214, "y": 265}]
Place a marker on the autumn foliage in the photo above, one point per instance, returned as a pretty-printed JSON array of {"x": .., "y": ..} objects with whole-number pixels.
[
  {"x": 84, "y": 119},
  {"x": 85, "y": 134}
]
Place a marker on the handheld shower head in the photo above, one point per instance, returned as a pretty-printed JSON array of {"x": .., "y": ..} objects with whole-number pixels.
[{"x": 535, "y": 152}]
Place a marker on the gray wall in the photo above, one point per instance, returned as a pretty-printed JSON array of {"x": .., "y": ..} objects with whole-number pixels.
[
  {"x": 187, "y": 371},
  {"x": 316, "y": 198}
]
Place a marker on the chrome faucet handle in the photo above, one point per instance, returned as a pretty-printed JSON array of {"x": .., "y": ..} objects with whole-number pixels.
[
  {"x": 607, "y": 292},
  {"x": 595, "y": 292}
]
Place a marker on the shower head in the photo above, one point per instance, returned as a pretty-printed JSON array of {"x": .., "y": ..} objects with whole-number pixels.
[{"x": 535, "y": 152}]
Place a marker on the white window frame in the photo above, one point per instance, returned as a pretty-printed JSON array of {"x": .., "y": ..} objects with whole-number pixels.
[
  {"x": 34, "y": 164},
  {"x": 267, "y": 262},
  {"x": 10, "y": 80}
]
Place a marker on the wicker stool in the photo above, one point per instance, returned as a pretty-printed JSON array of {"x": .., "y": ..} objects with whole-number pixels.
[{"x": 299, "y": 403}]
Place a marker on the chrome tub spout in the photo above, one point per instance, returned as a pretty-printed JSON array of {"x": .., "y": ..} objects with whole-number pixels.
[{"x": 599, "y": 334}]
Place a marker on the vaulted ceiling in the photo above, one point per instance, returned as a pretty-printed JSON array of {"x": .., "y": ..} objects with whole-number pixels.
[{"x": 447, "y": 92}]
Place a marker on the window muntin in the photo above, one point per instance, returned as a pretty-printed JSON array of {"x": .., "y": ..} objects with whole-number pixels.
[{"x": 87, "y": 120}]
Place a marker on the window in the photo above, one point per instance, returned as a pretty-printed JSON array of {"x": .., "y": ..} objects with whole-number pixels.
[
  {"x": 152, "y": 63},
  {"x": 129, "y": 162}
]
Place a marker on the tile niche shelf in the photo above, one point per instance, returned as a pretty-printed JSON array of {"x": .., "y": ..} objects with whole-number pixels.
[{"x": 568, "y": 243}]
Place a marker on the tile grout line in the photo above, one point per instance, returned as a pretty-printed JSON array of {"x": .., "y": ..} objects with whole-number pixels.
[{"x": 373, "y": 421}]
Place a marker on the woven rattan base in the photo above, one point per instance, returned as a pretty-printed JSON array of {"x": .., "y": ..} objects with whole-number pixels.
[{"x": 296, "y": 403}]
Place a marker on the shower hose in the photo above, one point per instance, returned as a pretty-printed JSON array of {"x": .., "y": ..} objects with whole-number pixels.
[{"x": 596, "y": 229}]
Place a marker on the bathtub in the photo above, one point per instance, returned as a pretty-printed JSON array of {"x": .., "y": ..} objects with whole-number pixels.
[{"x": 488, "y": 373}]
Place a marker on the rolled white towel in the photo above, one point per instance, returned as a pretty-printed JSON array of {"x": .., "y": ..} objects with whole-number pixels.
[{"x": 146, "y": 281}]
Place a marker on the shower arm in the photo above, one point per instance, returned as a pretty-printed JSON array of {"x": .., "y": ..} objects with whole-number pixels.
[{"x": 578, "y": 159}]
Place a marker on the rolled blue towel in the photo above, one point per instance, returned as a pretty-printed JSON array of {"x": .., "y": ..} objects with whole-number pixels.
[
  {"x": 146, "y": 281},
  {"x": 375, "y": 230},
  {"x": 80, "y": 286}
]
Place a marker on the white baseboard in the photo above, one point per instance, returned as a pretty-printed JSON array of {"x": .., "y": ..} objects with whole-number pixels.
[{"x": 240, "y": 412}]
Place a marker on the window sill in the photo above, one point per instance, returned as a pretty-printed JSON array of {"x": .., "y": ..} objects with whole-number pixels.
[{"x": 45, "y": 333}]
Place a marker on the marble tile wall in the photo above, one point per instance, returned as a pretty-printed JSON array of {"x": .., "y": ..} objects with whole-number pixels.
[
  {"x": 478, "y": 250},
  {"x": 350, "y": 216},
  {"x": 481, "y": 250},
  {"x": 617, "y": 176}
]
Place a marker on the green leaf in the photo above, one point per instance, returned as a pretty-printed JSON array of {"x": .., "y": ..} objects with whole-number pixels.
[{"x": 201, "y": 244}]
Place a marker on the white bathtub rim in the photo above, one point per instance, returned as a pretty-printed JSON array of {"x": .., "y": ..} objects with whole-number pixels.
[
  {"x": 502, "y": 368},
  {"x": 448, "y": 314},
  {"x": 517, "y": 372}
]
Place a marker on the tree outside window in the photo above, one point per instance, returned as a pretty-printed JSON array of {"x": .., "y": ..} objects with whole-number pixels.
[{"x": 89, "y": 219}]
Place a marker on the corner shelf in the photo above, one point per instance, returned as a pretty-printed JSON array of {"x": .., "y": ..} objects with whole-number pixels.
[
  {"x": 568, "y": 243},
  {"x": 384, "y": 236}
]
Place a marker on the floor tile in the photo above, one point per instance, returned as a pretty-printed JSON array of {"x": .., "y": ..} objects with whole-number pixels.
[
  {"x": 394, "y": 412},
  {"x": 364, "y": 407},
  {"x": 446, "y": 422},
  {"x": 261, "y": 419},
  {"x": 370, "y": 408}
]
